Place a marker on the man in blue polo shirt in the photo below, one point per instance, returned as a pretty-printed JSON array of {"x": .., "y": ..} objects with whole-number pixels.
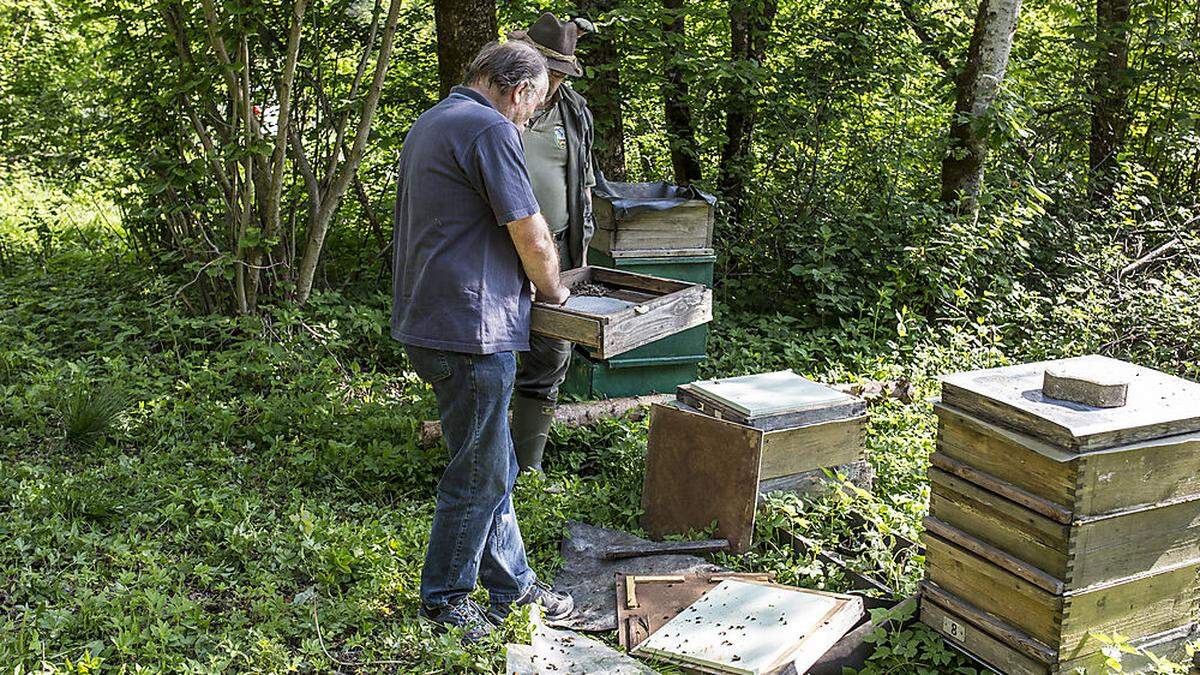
[{"x": 469, "y": 239}]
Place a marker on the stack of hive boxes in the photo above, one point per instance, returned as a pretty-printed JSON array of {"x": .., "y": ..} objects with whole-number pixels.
[
  {"x": 673, "y": 243},
  {"x": 1053, "y": 521}
]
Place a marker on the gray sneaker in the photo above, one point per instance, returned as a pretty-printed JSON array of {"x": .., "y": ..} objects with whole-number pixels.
[
  {"x": 555, "y": 605},
  {"x": 465, "y": 615}
]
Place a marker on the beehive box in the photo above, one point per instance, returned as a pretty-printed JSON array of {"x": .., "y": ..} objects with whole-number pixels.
[
  {"x": 635, "y": 310},
  {"x": 1051, "y": 521},
  {"x": 685, "y": 230},
  {"x": 706, "y": 462}
]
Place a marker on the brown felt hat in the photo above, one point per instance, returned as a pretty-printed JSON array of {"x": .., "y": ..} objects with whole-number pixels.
[{"x": 556, "y": 41}]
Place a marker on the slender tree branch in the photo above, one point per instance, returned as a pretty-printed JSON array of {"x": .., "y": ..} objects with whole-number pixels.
[{"x": 932, "y": 49}]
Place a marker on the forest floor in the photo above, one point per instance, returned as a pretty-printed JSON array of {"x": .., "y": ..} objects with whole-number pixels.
[
  {"x": 183, "y": 494},
  {"x": 213, "y": 494}
]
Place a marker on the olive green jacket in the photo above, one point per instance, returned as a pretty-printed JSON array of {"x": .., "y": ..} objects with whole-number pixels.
[{"x": 577, "y": 119}]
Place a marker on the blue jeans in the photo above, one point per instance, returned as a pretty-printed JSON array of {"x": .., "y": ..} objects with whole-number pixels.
[{"x": 475, "y": 534}]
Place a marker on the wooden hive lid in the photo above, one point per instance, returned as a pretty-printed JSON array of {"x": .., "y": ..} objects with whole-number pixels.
[
  {"x": 771, "y": 400},
  {"x": 1157, "y": 405}
]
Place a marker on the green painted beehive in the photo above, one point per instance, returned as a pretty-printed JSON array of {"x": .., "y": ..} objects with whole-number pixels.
[{"x": 659, "y": 366}]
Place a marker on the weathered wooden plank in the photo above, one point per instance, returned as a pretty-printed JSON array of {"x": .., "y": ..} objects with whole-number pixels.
[
  {"x": 1021, "y": 460},
  {"x": 791, "y": 451},
  {"x": 662, "y": 317},
  {"x": 688, "y": 225},
  {"x": 700, "y": 470},
  {"x": 999, "y": 522},
  {"x": 564, "y": 324},
  {"x": 641, "y": 282},
  {"x": 1006, "y": 633},
  {"x": 997, "y": 557},
  {"x": 979, "y": 643},
  {"x": 1003, "y": 488},
  {"x": 1144, "y": 606},
  {"x": 1158, "y": 404},
  {"x": 602, "y": 238},
  {"x": 578, "y": 275},
  {"x": 1007, "y": 596},
  {"x": 660, "y": 252},
  {"x": 1151, "y": 472},
  {"x": 665, "y": 548},
  {"x": 1134, "y": 543}
]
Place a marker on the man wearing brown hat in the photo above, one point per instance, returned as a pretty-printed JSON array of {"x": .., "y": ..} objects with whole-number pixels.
[{"x": 558, "y": 153}]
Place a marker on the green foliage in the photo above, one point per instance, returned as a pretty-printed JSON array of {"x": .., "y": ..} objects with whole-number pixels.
[
  {"x": 914, "y": 650},
  {"x": 230, "y": 484}
]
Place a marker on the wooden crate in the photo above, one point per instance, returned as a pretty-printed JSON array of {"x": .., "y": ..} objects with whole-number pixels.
[
  {"x": 1009, "y": 651},
  {"x": 685, "y": 230},
  {"x": 644, "y": 309},
  {"x": 1158, "y": 405},
  {"x": 1157, "y": 471},
  {"x": 1077, "y": 550},
  {"x": 700, "y": 468}
]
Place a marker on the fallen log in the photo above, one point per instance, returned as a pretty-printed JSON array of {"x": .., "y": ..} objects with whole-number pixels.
[
  {"x": 579, "y": 414},
  {"x": 634, "y": 408},
  {"x": 873, "y": 391}
]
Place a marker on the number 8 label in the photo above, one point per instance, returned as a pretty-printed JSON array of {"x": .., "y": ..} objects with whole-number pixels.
[{"x": 953, "y": 629}]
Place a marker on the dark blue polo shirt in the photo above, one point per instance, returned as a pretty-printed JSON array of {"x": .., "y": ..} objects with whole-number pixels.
[{"x": 458, "y": 283}]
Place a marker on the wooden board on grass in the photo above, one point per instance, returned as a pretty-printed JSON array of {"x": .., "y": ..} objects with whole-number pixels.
[{"x": 752, "y": 628}]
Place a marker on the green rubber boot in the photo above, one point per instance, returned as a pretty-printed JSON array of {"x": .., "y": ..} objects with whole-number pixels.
[{"x": 531, "y": 422}]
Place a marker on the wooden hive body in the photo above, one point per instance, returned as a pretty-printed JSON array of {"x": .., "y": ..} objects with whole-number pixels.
[
  {"x": 686, "y": 229},
  {"x": 1036, "y": 542},
  {"x": 637, "y": 310},
  {"x": 704, "y": 466}
]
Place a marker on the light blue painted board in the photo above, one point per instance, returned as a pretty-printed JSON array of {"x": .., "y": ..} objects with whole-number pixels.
[
  {"x": 749, "y": 629},
  {"x": 766, "y": 394}
]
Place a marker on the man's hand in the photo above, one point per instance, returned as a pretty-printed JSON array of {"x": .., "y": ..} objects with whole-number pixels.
[{"x": 539, "y": 257}]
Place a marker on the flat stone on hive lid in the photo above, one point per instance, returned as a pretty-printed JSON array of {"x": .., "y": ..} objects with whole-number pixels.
[{"x": 1086, "y": 382}]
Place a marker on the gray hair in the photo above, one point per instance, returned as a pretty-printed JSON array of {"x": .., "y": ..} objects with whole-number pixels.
[{"x": 506, "y": 66}]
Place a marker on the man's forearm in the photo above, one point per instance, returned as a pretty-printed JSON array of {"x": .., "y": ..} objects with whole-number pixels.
[{"x": 539, "y": 256}]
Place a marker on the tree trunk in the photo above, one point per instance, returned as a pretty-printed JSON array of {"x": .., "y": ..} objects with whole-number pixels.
[
  {"x": 749, "y": 30},
  {"x": 599, "y": 54},
  {"x": 680, "y": 132},
  {"x": 975, "y": 90},
  {"x": 463, "y": 28},
  {"x": 1110, "y": 91}
]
